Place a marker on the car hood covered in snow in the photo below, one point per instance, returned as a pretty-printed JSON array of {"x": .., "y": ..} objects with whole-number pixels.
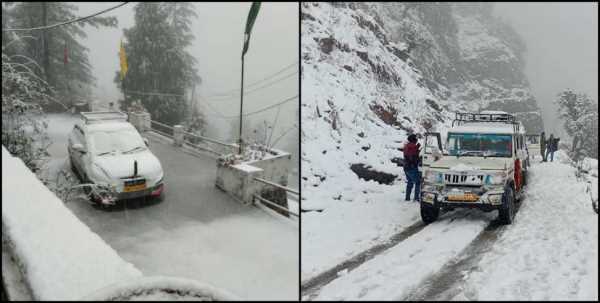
[
  {"x": 121, "y": 165},
  {"x": 471, "y": 163}
]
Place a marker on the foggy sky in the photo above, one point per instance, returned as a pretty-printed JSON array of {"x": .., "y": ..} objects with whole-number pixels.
[
  {"x": 217, "y": 46},
  {"x": 562, "y": 49}
]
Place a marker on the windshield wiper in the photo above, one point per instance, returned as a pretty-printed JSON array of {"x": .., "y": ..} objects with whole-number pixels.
[
  {"x": 105, "y": 153},
  {"x": 466, "y": 152},
  {"x": 133, "y": 149}
]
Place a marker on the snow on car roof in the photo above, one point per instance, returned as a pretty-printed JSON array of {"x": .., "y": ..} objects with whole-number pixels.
[
  {"x": 107, "y": 126},
  {"x": 484, "y": 127},
  {"x": 493, "y": 112}
]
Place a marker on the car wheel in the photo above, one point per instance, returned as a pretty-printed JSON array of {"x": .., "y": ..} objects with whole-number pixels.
[
  {"x": 506, "y": 212},
  {"x": 429, "y": 213}
]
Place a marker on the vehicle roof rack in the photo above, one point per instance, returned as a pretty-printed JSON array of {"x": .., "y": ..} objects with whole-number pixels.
[
  {"x": 499, "y": 117},
  {"x": 101, "y": 116}
]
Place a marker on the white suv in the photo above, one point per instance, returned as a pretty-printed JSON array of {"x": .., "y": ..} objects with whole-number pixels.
[
  {"x": 484, "y": 165},
  {"x": 106, "y": 150}
]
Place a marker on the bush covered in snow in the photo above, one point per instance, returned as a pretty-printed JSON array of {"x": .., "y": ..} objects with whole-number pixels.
[
  {"x": 580, "y": 116},
  {"x": 23, "y": 94}
]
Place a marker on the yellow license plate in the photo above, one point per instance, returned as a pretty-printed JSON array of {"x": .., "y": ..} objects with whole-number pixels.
[
  {"x": 138, "y": 187},
  {"x": 463, "y": 197}
]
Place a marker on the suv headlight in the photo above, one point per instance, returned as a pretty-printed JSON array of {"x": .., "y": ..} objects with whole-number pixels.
[
  {"x": 495, "y": 178},
  {"x": 433, "y": 177}
]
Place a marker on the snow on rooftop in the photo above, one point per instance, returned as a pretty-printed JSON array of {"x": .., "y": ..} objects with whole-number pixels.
[
  {"x": 61, "y": 257},
  {"x": 484, "y": 128},
  {"x": 494, "y": 112}
]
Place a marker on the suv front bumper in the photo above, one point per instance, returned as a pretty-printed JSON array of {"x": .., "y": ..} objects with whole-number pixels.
[{"x": 488, "y": 200}]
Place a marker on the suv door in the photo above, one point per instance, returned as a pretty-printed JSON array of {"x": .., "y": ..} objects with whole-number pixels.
[{"x": 432, "y": 149}]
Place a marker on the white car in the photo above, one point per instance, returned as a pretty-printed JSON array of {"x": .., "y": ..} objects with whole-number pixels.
[{"x": 106, "y": 150}]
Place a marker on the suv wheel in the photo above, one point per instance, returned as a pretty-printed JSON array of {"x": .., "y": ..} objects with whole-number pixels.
[
  {"x": 506, "y": 213},
  {"x": 429, "y": 213}
]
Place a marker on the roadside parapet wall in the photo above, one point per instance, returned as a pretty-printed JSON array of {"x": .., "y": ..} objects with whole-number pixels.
[
  {"x": 59, "y": 257},
  {"x": 238, "y": 179}
]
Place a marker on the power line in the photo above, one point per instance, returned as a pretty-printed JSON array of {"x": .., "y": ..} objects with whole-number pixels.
[
  {"x": 227, "y": 92},
  {"x": 64, "y": 23},
  {"x": 251, "y": 113},
  {"x": 265, "y": 108},
  {"x": 258, "y": 88},
  {"x": 152, "y": 94}
]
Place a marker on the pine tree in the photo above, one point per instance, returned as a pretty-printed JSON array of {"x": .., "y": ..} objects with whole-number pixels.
[
  {"x": 72, "y": 80},
  {"x": 158, "y": 61}
]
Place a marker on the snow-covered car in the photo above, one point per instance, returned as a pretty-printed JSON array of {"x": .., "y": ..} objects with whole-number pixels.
[
  {"x": 106, "y": 150},
  {"x": 484, "y": 165}
]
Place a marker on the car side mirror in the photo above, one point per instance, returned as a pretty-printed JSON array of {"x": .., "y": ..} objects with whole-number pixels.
[
  {"x": 147, "y": 142},
  {"x": 78, "y": 147}
]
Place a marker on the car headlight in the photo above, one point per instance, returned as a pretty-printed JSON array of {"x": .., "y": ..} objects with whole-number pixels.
[
  {"x": 99, "y": 175},
  {"x": 495, "y": 178}
]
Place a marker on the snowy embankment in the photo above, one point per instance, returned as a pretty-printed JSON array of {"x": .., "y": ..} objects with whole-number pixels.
[
  {"x": 360, "y": 98},
  {"x": 60, "y": 257},
  {"x": 551, "y": 252}
]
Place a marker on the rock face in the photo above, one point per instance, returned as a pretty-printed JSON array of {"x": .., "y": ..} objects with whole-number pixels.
[{"x": 465, "y": 48}]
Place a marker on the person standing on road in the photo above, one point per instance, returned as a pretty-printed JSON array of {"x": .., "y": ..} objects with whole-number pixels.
[
  {"x": 411, "y": 167},
  {"x": 552, "y": 144},
  {"x": 543, "y": 146}
]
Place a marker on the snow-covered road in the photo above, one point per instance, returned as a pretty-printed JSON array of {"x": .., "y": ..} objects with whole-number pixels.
[
  {"x": 198, "y": 232},
  {"x": 550, "y": 252}
]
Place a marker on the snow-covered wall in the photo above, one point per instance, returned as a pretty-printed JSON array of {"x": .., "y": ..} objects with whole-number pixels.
[{"x": 60, "y": 257}]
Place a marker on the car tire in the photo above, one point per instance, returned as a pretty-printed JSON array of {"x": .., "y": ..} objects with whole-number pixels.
[
  {"x": 429, "y": 213},
  {"x": 506, "y": 212}
]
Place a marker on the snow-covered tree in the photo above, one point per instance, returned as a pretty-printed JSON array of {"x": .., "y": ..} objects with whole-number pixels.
[
  {"x": 580, "y": 116},
  {"x": 23, "y": 127},
  {"x": 158, "y": 61},
  {"x": 61, "y": 59}
]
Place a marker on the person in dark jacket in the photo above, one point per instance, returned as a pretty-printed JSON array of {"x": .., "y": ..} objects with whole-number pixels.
[
  {"x": 543, "y": 146},
  {"x": 552, "y": 147},
  {"x": 411, "y": 167}
]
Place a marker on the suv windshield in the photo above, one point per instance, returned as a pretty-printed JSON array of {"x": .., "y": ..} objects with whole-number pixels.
[
  {"x": 480, "y": 145},
  {"x": 102, "y": 142}
]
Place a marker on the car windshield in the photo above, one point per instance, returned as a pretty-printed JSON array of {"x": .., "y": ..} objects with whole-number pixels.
[
  {"x": 479, "y": 145},
  {"x": 102, "y": 142}
]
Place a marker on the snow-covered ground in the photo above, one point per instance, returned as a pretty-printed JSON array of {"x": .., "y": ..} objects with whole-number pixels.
[
  {"x": 550, "y": 252},
  {"x": 198, "y": 232}
]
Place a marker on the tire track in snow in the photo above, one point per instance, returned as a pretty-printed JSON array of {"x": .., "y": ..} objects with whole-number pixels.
[
  {"x": 310, "y": 289},
  {"x": 443, "y": 285}
]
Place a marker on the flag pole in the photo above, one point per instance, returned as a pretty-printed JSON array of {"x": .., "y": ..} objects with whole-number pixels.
[
  {"x": 249, "y": 24},
  {"x": 241, "y": 106}
]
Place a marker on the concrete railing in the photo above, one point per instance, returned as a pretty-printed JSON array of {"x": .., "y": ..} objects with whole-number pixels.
[{"x": 266, "y": 178}]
